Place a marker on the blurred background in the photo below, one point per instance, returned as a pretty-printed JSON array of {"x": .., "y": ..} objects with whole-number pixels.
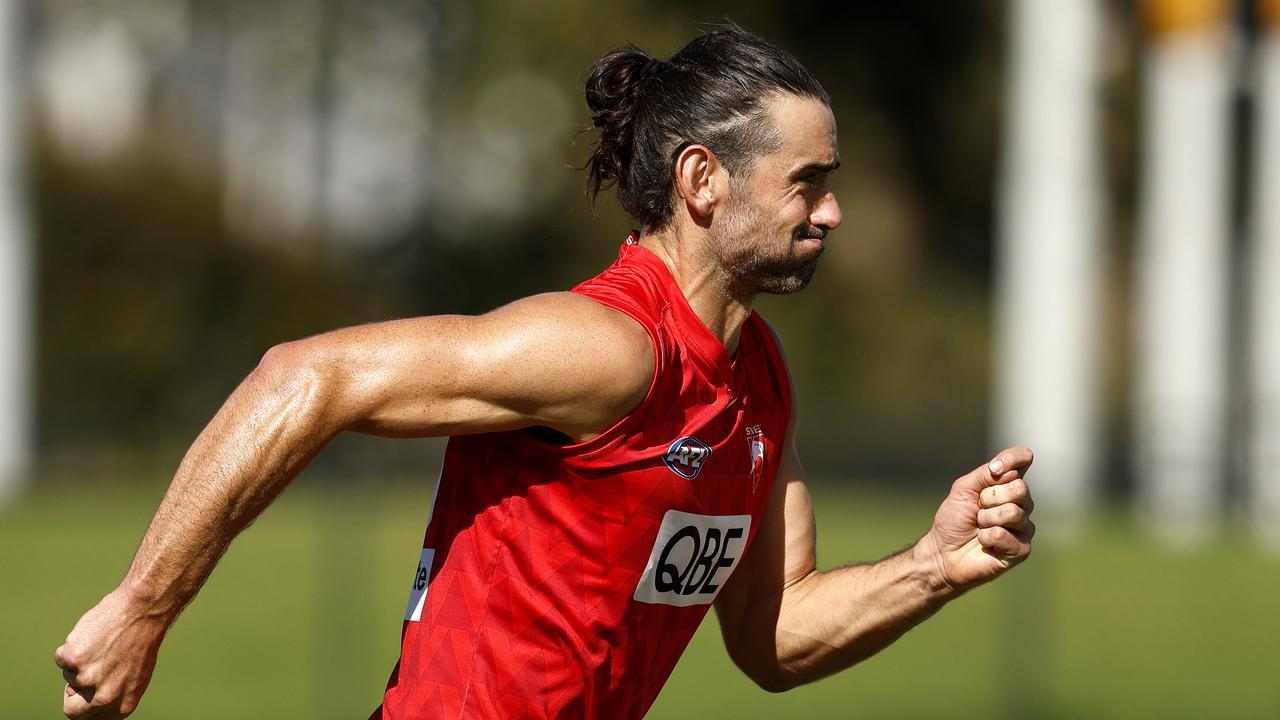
[{"x": 1061, "y": 229}]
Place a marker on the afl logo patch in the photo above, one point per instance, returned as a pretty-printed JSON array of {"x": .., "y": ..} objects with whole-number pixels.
[{"x": 686, "y": 457}]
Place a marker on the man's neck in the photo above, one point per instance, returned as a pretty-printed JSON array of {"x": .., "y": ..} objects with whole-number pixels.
[{"x": 705, "y": 284}]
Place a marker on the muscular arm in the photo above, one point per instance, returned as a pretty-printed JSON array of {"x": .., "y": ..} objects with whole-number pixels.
[
  {"x": 535, "y": 362},
  {"x": 786, "y": 623}
]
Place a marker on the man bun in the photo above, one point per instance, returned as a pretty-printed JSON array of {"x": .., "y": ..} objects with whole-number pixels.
[{"x": 612, "y": 96}]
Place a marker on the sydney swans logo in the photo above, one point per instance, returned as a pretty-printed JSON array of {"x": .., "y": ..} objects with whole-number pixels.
[{"x": 755, "y": 435}]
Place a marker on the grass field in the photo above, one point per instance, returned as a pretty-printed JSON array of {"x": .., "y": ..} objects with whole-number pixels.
[{"x": 302, "y": 618}]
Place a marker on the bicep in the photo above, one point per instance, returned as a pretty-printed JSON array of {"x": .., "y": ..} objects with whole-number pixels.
[{"x": 535, "y": 361}]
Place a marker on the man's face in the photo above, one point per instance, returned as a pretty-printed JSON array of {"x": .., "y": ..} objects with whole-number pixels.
[{"x": 772, "y": 229}]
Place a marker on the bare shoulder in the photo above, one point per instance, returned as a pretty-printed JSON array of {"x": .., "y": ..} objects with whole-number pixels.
[
  {"x": 574, "y": 318},
  {"x": 600, "y": 338},
  {"x": 593, "y": 364}
]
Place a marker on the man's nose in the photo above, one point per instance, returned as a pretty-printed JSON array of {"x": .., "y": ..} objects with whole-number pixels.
[{"x": 827, "y": 212}]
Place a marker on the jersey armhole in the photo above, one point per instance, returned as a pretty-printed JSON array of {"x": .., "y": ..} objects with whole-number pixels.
[
  {"x": 616, "y": 430},
  {"x": 779, "y": 360}
]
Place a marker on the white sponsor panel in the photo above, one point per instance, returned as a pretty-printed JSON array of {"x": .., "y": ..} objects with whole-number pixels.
[
  {"x": 692, "y": 558},
  {"x": 418, "y": 593}
]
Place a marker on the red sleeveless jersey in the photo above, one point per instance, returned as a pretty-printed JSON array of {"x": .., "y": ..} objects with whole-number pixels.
[{"x": 565, "y": 581}]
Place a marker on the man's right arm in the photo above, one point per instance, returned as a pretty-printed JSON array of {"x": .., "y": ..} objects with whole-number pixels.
[{"x": 558, "y": 360}]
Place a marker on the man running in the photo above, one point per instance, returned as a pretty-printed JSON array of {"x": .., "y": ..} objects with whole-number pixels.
[{"x": 622, "y": 456}]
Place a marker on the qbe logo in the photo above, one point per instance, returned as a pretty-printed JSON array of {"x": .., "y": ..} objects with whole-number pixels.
[
  {"x": 686, "y": 457},
  {"x": 692, "y": 558}
]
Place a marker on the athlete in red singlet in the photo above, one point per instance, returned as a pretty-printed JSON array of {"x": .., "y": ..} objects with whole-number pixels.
[
  {"x": 622, "y": 456},
  {"x": 565, "y": 581}
]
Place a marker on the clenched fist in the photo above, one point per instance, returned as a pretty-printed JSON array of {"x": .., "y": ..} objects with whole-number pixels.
[
  {"x": 984, "y": 526},
  {"x": 108, "y": 658}
]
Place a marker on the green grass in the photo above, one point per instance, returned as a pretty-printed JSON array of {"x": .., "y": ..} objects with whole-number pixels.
[{"x": 302, "y": 618}]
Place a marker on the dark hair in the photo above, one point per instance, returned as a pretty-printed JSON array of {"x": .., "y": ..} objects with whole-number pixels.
[{"x": 713, "y": 92}]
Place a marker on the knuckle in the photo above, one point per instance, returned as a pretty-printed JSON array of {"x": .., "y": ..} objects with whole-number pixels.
[
  {"x": 992, "y": 495},
  {"x": 66, "y": 655},
  {"x": 989, "y": 517}
]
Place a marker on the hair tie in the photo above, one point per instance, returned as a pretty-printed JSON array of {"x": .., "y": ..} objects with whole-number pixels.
[{"x": 651, "y": 67}]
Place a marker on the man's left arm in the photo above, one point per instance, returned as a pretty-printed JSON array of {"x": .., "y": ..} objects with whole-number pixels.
[{"x": 786, "y": 623}]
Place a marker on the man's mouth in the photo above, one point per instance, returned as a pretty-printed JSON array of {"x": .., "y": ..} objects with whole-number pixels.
[{"x": 812, "y": 232}]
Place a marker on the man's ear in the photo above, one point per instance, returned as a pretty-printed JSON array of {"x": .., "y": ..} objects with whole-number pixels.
[{"x": 700, "y": 181}]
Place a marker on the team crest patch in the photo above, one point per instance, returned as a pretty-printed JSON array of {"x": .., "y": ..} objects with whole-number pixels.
[
  {"x": 755, "y": 434},
  {"x": 686, "y": 457}
]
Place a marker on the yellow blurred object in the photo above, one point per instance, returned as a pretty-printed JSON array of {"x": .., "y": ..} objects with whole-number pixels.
[
  {"x": 1270, "y": 12},
  {"x": 1168, "y": 17}
]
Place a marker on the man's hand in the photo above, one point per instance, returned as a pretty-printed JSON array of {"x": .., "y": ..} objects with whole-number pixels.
[
  {"x": 108, "y": 658},
  {"x": 984, "y": 527}
]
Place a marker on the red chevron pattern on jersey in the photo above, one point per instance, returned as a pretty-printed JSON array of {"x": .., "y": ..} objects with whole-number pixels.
[{"x": 565, "y": 581}]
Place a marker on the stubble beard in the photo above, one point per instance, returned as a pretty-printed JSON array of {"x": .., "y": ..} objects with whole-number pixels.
[{"x": 752, "y": 269}]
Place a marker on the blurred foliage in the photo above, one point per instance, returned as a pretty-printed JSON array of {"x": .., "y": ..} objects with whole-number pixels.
[{"x": 150, "y": 312}]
